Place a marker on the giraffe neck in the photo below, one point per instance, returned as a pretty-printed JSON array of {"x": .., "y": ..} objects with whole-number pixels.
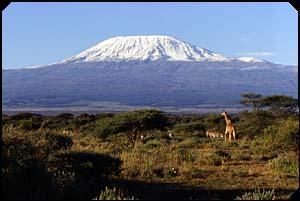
[{"x": 226, "y": 119}]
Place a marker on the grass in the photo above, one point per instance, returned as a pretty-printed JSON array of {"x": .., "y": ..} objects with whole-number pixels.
[
  {"x": 113, "y": 194},
  {"x": 258, "y": 195},
  {"x": 189, "y": 159},
  {"x": 285, "y": 165}
]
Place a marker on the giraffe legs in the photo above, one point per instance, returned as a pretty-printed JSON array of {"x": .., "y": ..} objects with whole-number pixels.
[
  {"x": 230, "y": 136},
  {"x": 233, "y": 134},
  {"x": 225, "y": 135}
]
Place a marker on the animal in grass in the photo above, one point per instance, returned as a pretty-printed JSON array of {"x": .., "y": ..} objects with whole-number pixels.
[
  {"x": 68, "y": 131},
  {"x": 171, "y": 135},
  {"x": 143, "y": 140},
  {"x": 214, "y": 134},
  {"x": 230, "y": 130}
]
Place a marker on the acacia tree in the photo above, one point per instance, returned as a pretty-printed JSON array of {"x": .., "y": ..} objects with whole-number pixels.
[
  {"x": 132, "y": 123},
  {"x": 280, "y": 104},
  {"x": 251, "y": 100}
]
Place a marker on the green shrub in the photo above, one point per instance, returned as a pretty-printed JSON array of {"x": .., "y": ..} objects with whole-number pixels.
[
  {"x": 283, "y": 135},
  {"x": 185, "y": 155},
  {"x": 54, "y": 123},
  {"x": 79, "y": 174},
  {"x": 241, "y": 156},
  {"x": 285, "y": 165},
  {"x": 136, "y": 121},
  {"x": 153, "y": 143},
  {"x": 223, "y": 154},
  {"x": 26, "y": 115},
  {"x": 104, "y": 115},
  {"x": 58, "y": 141},
  {"x": 258, "y": 195},
  {"x": 210, "y": 159},
  {"x": 108, "y": 126},
  {"x": 24, "y": 172},
  {"x": 113, "y": 194},
  {"x": 191, "y": 142},
  {"x": 215, "y": 160},
  {"x": 259, "y": 146},
  {"x": 189, "y": 127},
  {"x": 251, "y": 124},
  {"x": 28, "y": 125},
  {"x": 214, "y": 122},
  {"x": 65, "y": 116}
]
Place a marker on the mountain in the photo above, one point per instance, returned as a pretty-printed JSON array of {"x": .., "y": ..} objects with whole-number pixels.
[
  {"x": 146, "y": 71},
  {"x": 142, "y": 48}
]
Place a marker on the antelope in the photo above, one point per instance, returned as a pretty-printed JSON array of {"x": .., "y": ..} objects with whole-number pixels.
[
  {"x": 171, "y": 135},
  {"x": 213, "y": 134},
  {"x": 68, "y": 131}
]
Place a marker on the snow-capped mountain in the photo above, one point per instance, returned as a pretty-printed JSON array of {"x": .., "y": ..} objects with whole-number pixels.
[
  {"x": 153, "y": 47},
  {"x": 147, "y": 71}
]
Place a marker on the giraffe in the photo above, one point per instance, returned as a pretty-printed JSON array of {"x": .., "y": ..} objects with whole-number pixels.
[{"x": 230, "y": 130}]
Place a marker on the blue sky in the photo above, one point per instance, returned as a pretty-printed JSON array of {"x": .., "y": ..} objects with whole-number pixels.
[{"x": 43, "y": 33}]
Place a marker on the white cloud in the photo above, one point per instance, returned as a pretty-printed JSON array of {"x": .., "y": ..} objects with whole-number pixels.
[{"x": 256, "y": 53}]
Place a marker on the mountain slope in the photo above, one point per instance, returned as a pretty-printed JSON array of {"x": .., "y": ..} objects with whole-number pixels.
[
  {"x": 125, "y": 48},
  {"x": 149, "y": 71}
]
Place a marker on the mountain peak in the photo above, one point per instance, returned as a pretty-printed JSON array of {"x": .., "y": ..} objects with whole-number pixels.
[{"x": 147, "y": 47}]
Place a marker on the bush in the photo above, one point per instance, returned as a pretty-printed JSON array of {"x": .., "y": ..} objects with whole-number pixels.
[
  {"x": 25, "y": 115},
  {"x": 285, "y": 165},
  {"x": 258, "y": 195},
  {"x": 58, "y": 141},
  {"x": 188, "y": 128},
  {"x": 150, "y": 144},
  {"x": 79, "y": 174},
  {"x": 24, "y": 173},
  {"x": 283, "y": 135},
  {"x": 138, "y": 162},
  {"x": 65, "y": 116},
  {"x": 184, "y": 155},
  {"x": 28, "y": 125},
  {"x": 191, "y": 142},
  {"x": 113, "y": 194},
  {"x": 214, "y": 122},
  {"x": 223, "y": 154},
  {"x": 252, "y": 123},
  {"x": 136, "y": 121},
  {"x": 210, "y": 159},
  {"x": 241, "y": 156},
  {"x": 55, "y": 123}
]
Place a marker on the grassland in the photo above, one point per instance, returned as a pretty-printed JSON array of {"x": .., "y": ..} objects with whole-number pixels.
[{"x": 106, "y": 150}]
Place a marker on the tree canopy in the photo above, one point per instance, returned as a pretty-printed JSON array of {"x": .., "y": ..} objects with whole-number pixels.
[
  {"x": 281, "y": 103},
  {"x": 136, "y": 121}
]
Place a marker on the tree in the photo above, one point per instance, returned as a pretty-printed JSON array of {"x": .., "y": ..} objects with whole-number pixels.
[
  {"x": 280, "y": 104},
  {"x": 252, "y": 100},
  {"x": 132, "y": 123}
]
